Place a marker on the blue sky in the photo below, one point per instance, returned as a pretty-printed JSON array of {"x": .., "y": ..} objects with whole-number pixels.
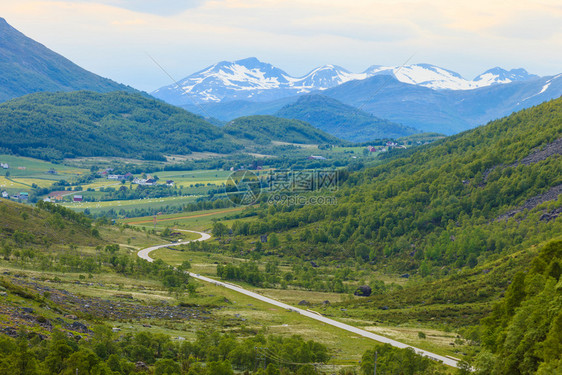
[{"x": 112, "y": 37}]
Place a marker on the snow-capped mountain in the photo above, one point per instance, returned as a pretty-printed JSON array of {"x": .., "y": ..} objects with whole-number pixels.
[
  {"x": 250, "y": 79},
  {"x": 499, "y": 75},
  {"x": 425, "y": 75},
  {"x": 255, "y": 81},
  {"x": 437, "y": 78},
  {"x": 325, "y": 77}
]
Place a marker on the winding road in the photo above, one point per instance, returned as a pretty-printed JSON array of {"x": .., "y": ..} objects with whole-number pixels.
[{"x": 144, "y": 254}]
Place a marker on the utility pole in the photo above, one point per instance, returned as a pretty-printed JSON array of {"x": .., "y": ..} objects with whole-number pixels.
[
  {"x": 376, "y": 357},
  {"x": 256, "y": 360},
  {"x": 261, "y": 357}
]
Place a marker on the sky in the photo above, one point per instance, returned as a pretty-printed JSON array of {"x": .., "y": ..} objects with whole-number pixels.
[{"x": 114, "y": 38}]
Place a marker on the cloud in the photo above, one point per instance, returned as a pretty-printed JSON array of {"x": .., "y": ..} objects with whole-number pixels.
[
  {"x": 532, "y": 25},
  {"x": 110, "y": 37},
  {"x": 161, "y": 7}
]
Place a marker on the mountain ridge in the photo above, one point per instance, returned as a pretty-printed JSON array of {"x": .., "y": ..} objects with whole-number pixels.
[
  {"x": 27, "y": 66},
  {"x": 342, "y": 120},
  {"x": 86, "y": 123},
  {"x": 253, "y": 80}
]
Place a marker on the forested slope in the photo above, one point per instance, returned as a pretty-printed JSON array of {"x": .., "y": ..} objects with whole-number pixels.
[
  {"x": 56, "y": 125},
  {"x": 437, "y": 209},
  {"x": 523, "y": 335},
  {"x": 342, "y": 120},
  {"x": 264, "y": 129}
]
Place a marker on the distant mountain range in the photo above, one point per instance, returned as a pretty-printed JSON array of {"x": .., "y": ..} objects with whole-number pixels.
[
  {"x": 444, "y": 111},
  {"x": 420, "y": 96},
  {"x": 27, "y": 66},
  {"x": 253, "y": 80},
  {"x": 380, "y": 102}
]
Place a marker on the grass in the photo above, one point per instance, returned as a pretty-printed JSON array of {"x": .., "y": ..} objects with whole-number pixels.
[
  {"x": 197, "y": 220},
  {"x": 99, "y": 207},
  {"x": 238, "y": 313},
  {"x": 197, "y": 176},
  {"x": 35, "y": 166},
  {"x": 24, "y": 172},
  {"x": 346, "y": 346},
  {"x": 102, "y": 183},
  {"x": 438, "y": 341}
]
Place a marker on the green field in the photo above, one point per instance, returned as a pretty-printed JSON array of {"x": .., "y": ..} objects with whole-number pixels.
[
  {"x": 24, "y": 172},
  {"x": 100, "y": 207},
  {"x": 198, "y": 220},
  {"x": 187, "y": 178}
]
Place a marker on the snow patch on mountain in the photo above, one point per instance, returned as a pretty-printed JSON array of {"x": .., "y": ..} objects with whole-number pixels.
[
  {"x": 498, "y": 75},
  {"x": 437, "y": 78},
  {"x": 253, "y": 80}
]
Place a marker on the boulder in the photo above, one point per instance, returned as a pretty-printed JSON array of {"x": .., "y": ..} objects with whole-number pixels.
[{"x": 363, "y": 291}]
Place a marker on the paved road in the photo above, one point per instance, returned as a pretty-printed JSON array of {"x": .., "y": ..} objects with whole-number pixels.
[{"x": 313, "y": 315}]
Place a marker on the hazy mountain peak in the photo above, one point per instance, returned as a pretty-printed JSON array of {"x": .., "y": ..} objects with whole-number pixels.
[
  {"x": 499, "y": 75},
  {"x": 27, "y": 66},
  {"x": 252, "y": 80}
]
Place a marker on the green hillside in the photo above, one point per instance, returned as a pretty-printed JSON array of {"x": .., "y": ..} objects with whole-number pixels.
[
  {"x": 64, "y": 125},
  {"x": 23, "y": 226},
  {"x": 440, "y": 207},
  {"x": 464, "y": 222},
  {"x": 524, "y": 332},
  {"x": 264, "y": 129},
  {"x": 77, "y": 300},
  {"x": 27, "y": 67},
  {"x": 341, "y": 120}
]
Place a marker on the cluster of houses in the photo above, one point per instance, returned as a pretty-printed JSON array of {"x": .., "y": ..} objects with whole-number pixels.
[
  {"x": 55, "y": 196},
  {"x": 151, "y": 182},
  {"x": 144, "y": 182},
  {"x": 119, "y": 177},
  {"x": 23, "y": 196},
  {"x": 138, "y": 181},
  {"x": 389, "y": 145},
  {"x": 316, "y": 157}
]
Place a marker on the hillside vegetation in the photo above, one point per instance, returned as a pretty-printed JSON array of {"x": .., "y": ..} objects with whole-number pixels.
[
  {"x": 523, "y": 335},
  {"x": 25, "y": 226},
  {"x": 438, "y": 209},
  {"x": 264, "y": 129},
  {"x": 341, "y": 120},
  {"x": 131, "y": 316},
  {"x": 464, "y": 218},
  {"x": 53, "y": 126}
]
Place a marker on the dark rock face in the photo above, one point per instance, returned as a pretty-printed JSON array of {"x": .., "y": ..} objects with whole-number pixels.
[
  {"x": 80, "y": 327},
  {"x": 363, "y": 291}
]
